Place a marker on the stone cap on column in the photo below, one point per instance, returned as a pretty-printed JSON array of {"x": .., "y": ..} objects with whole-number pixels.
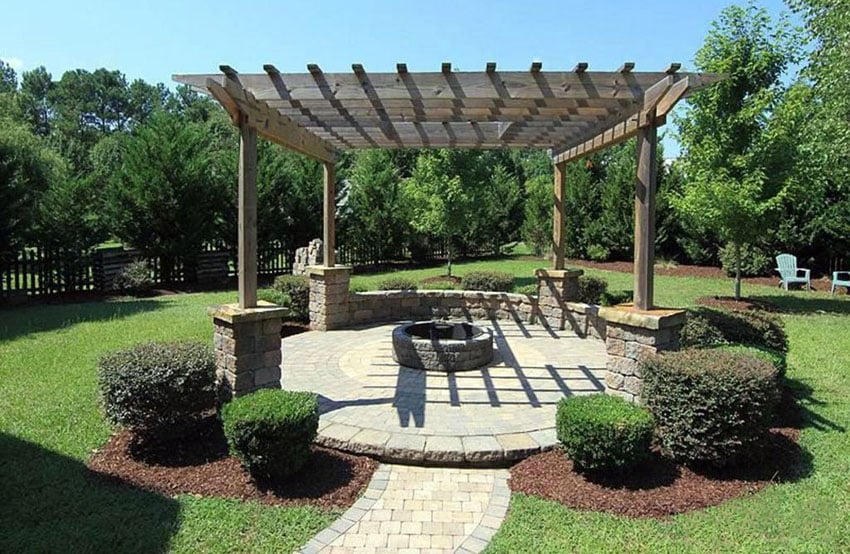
[
  {"x": 232, "y": 313},
  {"x": 557, "y": 273},
  {"x": 325, "y": 270},
  {"x": 656, "y": 318}
]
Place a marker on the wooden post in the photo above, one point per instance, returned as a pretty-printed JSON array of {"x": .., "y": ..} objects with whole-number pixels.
[
  {"x": 247, "y": 263},
  {"x": 330, "y": 213},
  {"x": 647, "y": 169},
  {"x": 558, "y": 218}
]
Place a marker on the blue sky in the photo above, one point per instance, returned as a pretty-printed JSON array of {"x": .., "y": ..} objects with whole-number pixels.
[{"x": 154, "y": 39}]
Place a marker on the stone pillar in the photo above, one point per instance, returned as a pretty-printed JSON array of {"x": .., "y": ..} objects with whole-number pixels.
[
  {"x": 556, "y": 287},
  {"x": 329, "y": 297},
  {"x": 631, "y": 335},
  {"x": 247, "y": 347}
]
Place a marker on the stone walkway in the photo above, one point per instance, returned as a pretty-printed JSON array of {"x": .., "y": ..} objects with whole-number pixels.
[
  {"x": 419, "y": 510},
  {"x": 486, "y": 417}
]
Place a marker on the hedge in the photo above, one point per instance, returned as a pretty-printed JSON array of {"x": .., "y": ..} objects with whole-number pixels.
[{"x": 490, "y": 281}]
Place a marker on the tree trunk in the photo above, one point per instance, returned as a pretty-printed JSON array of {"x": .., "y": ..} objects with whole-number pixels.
[
  {"x": 449, "y": 257},
  {"x": 737, "y": 271}
]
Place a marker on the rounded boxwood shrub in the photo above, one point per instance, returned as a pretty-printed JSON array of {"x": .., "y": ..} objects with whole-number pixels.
[
  {"x": 777, "y": 359},
  {"x": 397, "y": 283},
  {"x": 708, "y": 327},
  {"x": 270, "y": 430},
  {"x": 591, "y": 289},
  {"x": 602, "y": 432},
  {"x": 710, "y": 406},
  {"x": 162, "y": 388},
  {"x": 528, "y": 290},
  {"x": 294, "y": 291},
  {"x": 135, "y": 278},
  {"x": 489, "y": 281}
]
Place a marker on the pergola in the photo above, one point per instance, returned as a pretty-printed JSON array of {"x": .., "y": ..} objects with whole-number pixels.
[{"x": 569, "y": 113}]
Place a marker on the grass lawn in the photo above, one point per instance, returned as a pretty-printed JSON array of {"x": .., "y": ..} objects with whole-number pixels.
[{"x": 50, "y": 422}]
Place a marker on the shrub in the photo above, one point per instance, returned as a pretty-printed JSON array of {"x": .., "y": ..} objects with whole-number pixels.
[
  {"x": 135, "y": 278},
  {"x": 601, "y": 432},
  {"x": 397, "y": 283},
  {"x": 161, "y": 388},
  {"x": 273, "y": 296},
  {"x": 773, "y": 357},
  {"x": 295, "y": 292},
  {"x": 711, "y": 406},
  {"x": 707, "y": 327},
  {"x": 270, "y": 431},
  {"x": 591, "y": 289},
  {"x": 616, "y": 297},
  {"x": 493, "y": 281},
  {"x": 598, "y": 253},
  {"x": 357, "y": 288},
  {"x": 528, "y": 290},
  {"x": 755, "y": 262}
]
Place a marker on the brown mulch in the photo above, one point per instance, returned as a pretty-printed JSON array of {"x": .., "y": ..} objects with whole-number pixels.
[
  {"x": 742, "y": 305},
  {"x": 331, "y": 480},
  {"x": 658, "y": 488},
  {"x": 289, "y": 328},
  {"x": 454, "y": 280}
]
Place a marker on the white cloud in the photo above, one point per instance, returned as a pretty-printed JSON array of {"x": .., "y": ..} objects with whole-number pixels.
[{"x": 14, "y": 63}]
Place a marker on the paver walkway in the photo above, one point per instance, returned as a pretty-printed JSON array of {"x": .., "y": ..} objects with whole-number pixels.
[
  {"x": 419, "y": 510},
  {"x": 491, "y": 416}
]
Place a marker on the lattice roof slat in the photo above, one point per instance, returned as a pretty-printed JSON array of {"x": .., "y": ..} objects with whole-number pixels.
[{"x": 572, "y": 113}]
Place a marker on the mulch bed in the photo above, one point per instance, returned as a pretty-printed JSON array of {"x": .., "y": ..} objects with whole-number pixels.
[
  {"x": 659, "y": 488},
  {"x": 331, "y": 480},
  {"x": 742, "y": 305},
  {"x": 453, "y": 280}
]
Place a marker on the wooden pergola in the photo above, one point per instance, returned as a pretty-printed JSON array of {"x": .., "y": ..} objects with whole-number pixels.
[{"x": 569, "y": 113}]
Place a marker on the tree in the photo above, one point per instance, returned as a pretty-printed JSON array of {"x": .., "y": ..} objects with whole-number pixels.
[
  {"x": 375, "y": 209},
  {"x": 35, "y": 100},
  {"x": 537, "y": 221},
  {"x": 166, "y": 199},
  {"x": 8, "y": 78},
  {"x": 730, "y": 186},
  {"x": 438, "y": 196}
]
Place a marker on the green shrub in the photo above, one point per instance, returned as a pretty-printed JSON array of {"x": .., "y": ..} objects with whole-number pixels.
[
  {"x": 357, "y": 288},
  {"x": 397, "y": 283},
  {"x": 295, "y": 292},
  {"x": 601, "y": 432},
  {"x": 273, "y": 296},
  {"x": 591, "y": 289},
  {"x": 710, "y": 406},
  {"x": 158, "y": 388},
  {"x": 493, "y": 281},
  {"x": 270, "y": 430},
  {"x": 708, "y": 327},
  {"x": 755, "y": 262},
  {"x": 598, "y": 253},
  {"x": 773, "y": 357},
  {"x": 528, "y": 290},
  {"x": 135, "y": 278},
  {"x": 616, "y": 297}
]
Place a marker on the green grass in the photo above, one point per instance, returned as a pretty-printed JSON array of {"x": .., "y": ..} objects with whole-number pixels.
[{"x": 50, "y": 422}]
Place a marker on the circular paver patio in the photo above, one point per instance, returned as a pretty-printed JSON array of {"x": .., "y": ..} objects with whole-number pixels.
[{"x": 490, "y": 416}]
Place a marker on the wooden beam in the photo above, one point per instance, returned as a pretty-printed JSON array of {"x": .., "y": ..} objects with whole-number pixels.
[
  {"x": 269, "y": 122},
  {"x": 674, "y": 67},
  {"x": 446, "y": 67},
  {"x": 247, "y": 220},
  {"x": 490, "y": 67},
  {"x": 644, "y": 265},
  {"x": 536, "y": 67},
  {"x": 672, "y": 96},
  {"x": 580, "y": 67},
  {"x": 627, "y": 67},
  {"x": 329, "y": 243},
  {"x": 559, "y": 215},
  {"x": 401, "y": 68}
]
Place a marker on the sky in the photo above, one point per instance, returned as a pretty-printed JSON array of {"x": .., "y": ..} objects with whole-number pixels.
[{"x": 152, "y": 40}]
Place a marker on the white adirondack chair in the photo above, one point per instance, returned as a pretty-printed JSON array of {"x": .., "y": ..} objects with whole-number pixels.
[
  {"x": 840, "y": 279},
  {"x": 786, "y": 265}
]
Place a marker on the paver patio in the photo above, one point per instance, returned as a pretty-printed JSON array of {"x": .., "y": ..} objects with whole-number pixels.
[{"x": 490, "y": 416}]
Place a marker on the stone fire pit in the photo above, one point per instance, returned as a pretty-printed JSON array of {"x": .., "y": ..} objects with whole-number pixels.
[{"x": 442, "y": 346}]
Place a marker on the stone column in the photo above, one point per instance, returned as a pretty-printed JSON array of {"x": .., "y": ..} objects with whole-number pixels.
[
  {"x": 631, "y": 335},
  {"x": 247, "y": 347},
  {"x": 329, "y": 297},
  {"x": 556, "y": 287}
]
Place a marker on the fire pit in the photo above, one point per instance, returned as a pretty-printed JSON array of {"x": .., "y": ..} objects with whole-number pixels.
[{"x": 442, "y": 346}]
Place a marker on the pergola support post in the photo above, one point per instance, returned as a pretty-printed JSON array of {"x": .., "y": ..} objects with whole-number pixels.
[
  {"x": 559, "y": 215},
  {"x": 647, "y": 170},
  {"x": 247, "y": 262},
  {"x": 329, "y": 242}
]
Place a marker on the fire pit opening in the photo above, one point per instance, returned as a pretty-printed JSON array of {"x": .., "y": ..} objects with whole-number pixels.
[{"x": 442, "y": 346}]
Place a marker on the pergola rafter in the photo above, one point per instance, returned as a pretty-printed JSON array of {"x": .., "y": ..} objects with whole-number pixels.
[{"x": 571, "y": 113}]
